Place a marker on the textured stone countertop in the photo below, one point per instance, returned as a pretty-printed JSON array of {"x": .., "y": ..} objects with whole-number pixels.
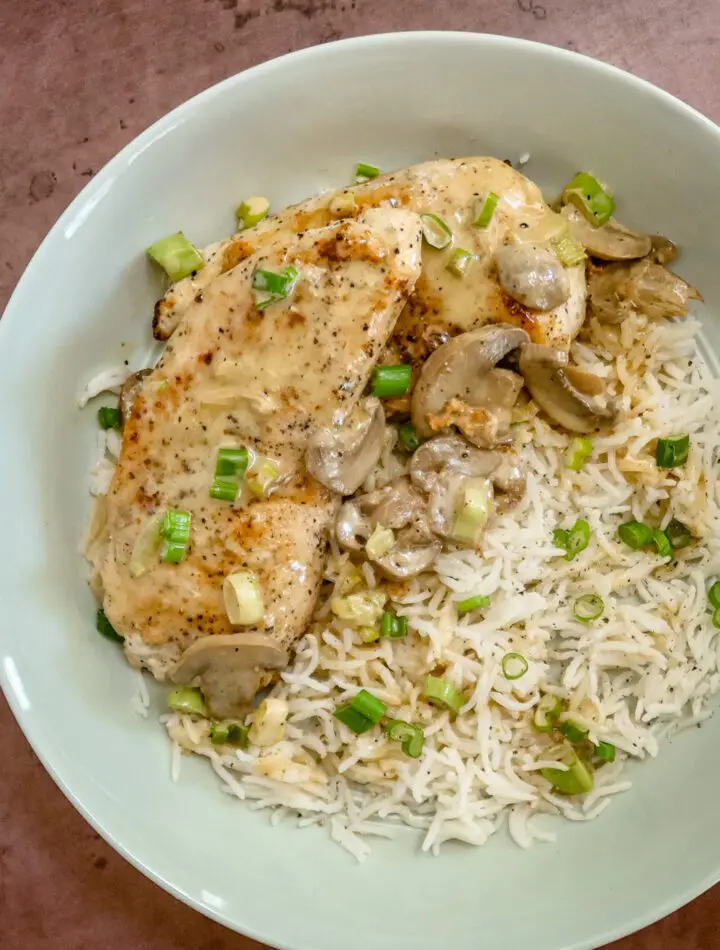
[{"x": 80, "y": 79}]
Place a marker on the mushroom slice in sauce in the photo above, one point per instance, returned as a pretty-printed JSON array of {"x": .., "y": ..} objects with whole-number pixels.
[
  {"x": 619, "y": 290},
  {"x": 229, "y": 669},
  {"x": 130, "y": 389},
  {"x": 611, "y": 242},
  {"x": 553, "y": 385},
  {"x": 342, "y": 458},
  {"x": 459, "y": 385},
  {"x": 533, "y": 275}
]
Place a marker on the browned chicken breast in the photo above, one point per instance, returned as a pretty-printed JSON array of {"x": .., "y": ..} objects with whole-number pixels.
[{"x": 243, "y": 370}]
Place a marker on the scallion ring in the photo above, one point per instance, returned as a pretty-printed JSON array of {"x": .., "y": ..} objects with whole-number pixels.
[
  {"x": 109, "y": 418},
  {"x": 635, "y": 534},
  {"x": 590, "y": 198},
  {"x": 605, "y": 751},
  {"x": 408, "y": 437},
  {"x": 514, "y": 665},
  {"x": 547, "y": 712},
  {"x": 662, "y": 543},
  {"x": 588, "y": 607},
  {"x": 578, "y": 452},
  {"x": 188, "y": 700},
  {"x": 436, "y": 232},
  {"x": 573, "y": 731},
  {"x": 672, "y": 452},
  {"x": 485, "y": 209},
  {"x": 364, "y": 172},
  {"x": 409, "y": 735},
  {"x": 103, "y": 626},
  {"x": 251, "y": 211},
  {"x": 177, "y": 256},
  {"x": 362, "y": 713},
  {"x": 443, "y": 692},
  {"x": 713, "y": 594},
  {"x": 678, "y": 533},
  {"x": 460, "y": 261},
  {"x": 472, "y": 603},
  {"x": 389, "y": 382}
]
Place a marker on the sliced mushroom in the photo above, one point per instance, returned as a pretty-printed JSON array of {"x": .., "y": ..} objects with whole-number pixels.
[
  {"x": 617, "y": 291},
  {"x": 611, "y": 242},
  {"x": 229, "y": 669},
  {"x": 663, "y": 249},
  {"x": 459, "y": 385},
  {"x": 342, "y": 458},
  {"x": 444, "y": 456},
  {"x": 130, "y": 389},
  {"x": 533, "y": 275},
  {"x": 397, "y": 506},
  {"x": 553, "y": 386}
]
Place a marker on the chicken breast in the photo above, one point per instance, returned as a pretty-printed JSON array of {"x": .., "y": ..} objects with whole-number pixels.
[
  {"x": 442, "y": 304},
  {"x": 235, "y": 375}
]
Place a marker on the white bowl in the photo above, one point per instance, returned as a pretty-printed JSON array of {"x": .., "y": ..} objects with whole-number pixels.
[{"x": 287, "y": 129}]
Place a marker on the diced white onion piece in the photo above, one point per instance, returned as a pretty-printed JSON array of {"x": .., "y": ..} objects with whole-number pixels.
[
  {"x": 268, "y": 727},
  {"x": 243, "y": 598},
  {"x": 365, "y": 608},
  {"x": 380, "y": 542}
]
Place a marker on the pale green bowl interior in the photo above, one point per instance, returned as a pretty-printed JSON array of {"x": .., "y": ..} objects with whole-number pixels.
[{"x": 288, "y": 129}]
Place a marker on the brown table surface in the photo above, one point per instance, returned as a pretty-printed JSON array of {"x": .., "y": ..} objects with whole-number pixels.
[{"x": 78, "y": 80}]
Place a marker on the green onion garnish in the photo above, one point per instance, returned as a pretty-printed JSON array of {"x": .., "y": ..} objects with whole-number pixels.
[
  {"x": 364, "y": 712},
  {"x": 262, "y": 476},
  {"x": 109, "y": 418},
  {"x": 364, "y": 172},
  {"x": 485, "y": 209},
  {"x": 678, "y": 533},
  {"x": 573, "y": 541},
  {"x": 391, "y": 381},
  {"x": 435, "y": 231},
  {"x": 576, "y": 781},
  {"x": 662, "y": 543},
  {"x": 573, "y": 730},
  {"x": 588, "y": 607},
  {"x": 514, "y": 665},
  {"x": 569, "y": 251},
  {"x": 714, "y": 594},
  {"x": 393, "y": 626},
  {"x": 229, "y": 733},
  {"x": 635, "y": 534},
  {"x": 460, "y": 262},
  {"x": 103, "y": 626},
  {"x": 472, "y": 603},
  {"x": 605, "y": 751},
  {"x": 368, "y": 634},
  {"x": 175, "y": 529},
  {"x": 232, "y": 462},
  {"x": 411, "y": 736},
  {"x": 547, "y": 712},
  {"x": 578, "y": 452},
  {"x": 443, "y": 692},
  {"x": 188, "y": 699},
  {"x": 672, "y": 452},
  {"x": 589, "y": 196},
  {"x": 273, "y": 285},
  {"x": 177, "y": 256},
  {"x": 408, "y": 437},
  {"x": 224, "y": 489},
  {"x": 716, "y": 617},
  {"x": 251, "y": 211},
  {"x": 473, "y": 513}
]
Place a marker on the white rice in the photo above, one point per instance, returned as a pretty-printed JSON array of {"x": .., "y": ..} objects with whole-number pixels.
[{"x": 645, "y": 670}]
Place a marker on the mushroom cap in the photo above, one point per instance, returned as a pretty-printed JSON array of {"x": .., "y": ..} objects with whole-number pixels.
[
  {"x": 553, "y": 385},
  {"x": 611, "y": 242},
  {"x": 342, "y": 458},
  {"x": 229, "y": 668},
  {"x": 533, "y": 275},
  {"x": 464, "y": 369}
]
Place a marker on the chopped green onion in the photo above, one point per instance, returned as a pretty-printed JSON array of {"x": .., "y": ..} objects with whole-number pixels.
[
  {"x": 177, "y": 256},
  {"x": 364, "y": 712},
  {"x": 589, "y": 197},
  {"x": 275, "y": 284},
  {"x": 408, "y": 436},
  {"x": 472, "y": 603},
  {"x": 662, "y": 543},
  {"x": 573, "y": 730},
  {"x": 363, "y": 608},
  {"x": 391, "y": 381},
  {"x": 473, "y": 512},
  {"x": 251, "y": 211},
  {"x": 369, "y": 634},
  {"x": 261, "y": 477},
  {"x": 672, "y": 452},
  {"x": 716, "y": 617},
  {"x": 588, "y": 607},
  {"x": 243, "y": 599},
  {"x": 435, "y": 231},
  {"x": 577, "y": 780},
  {"x": 514, "y": 665},
  {"x": 605, "y": 751},
  {"x": 109, "y": 418},
  {"x": 393, "y": 626},
  {"x": 188, "y": 699},
  {"x": 547, "y": 712},
  {"x": 232, "y": 463},
  {"x": 410, "y": 735},
  {"x": 485, "y": 209},
  {"x": 460, "y": 262},
  {"x": 443, "y": 692},
  {"x": 174, "y": 552},
  {"x": 175, "y": 529},
  {"x": 380, "y": 542},
  {"x": 569, "y": 251},
  {"x": 229, "y": 733},
  {"x": 224, "y": 489},
  {"x": 714, "y": 594},
  {"x": 364, "y": 172},
  {"x": 635, "y": 534},
  {"x": 678, "y": 533},
  {"x": 578, "y": 451},
  {"x": 103, "y": 626},
  {"x": 573, "y": 541}
]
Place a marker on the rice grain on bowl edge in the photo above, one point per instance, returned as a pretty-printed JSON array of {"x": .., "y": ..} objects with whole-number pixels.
[{"x": 645, "y": 668}]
